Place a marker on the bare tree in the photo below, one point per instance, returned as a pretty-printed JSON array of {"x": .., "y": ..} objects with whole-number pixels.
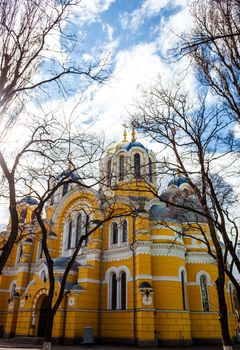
[
  {"x": 31, "y": 54},
  {"x": 213, "y": 45},
  {"x": 198, "y": 137}
]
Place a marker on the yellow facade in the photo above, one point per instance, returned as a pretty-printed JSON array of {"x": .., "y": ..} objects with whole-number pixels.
[{"x": 137, "y": 280}]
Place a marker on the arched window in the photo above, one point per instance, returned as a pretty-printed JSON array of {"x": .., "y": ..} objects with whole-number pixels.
[
  {"x": 13, "y": 290},
  {"x": 183, "y": 284},
  {"x": 121, "y": 168},
  {"x": 233, "y": 298},
  {"x": 124, "y": 231},
  {"x": 114, "y": 292},
  {"x": 114, "y": 233},
  {"x": 204, "y": 293},
  {"x": 150, "y": 169},
  {"x": 78, "y": 228},
  {"x": 69, "y": 241},
  {"x": 33, "y": 218},
  {"x": 123, "y": 291},
  {"x": 65, "y": 189},
  {"x": 19, "y": 254},
  {"x": 109, "y": 174},
  {"x": 23, "y": 215},
  {"x": 40, "y": 250},
  {"x": 137, "y": 165}
]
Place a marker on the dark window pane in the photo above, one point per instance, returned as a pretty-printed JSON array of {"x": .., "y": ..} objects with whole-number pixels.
[
  {"x": 114, "y": 233},
  {"x": 109, "y": 174},
  {"x": 150, "y": 170},
  {"x": 124, "y": 231},
  {"x": 65, "y": 189},
  {"x": 204, "y": 293},
  {"x": 79, "y": 228},
  {"x": 121, "y": 168},
  {"x": 114, "y": 292},
  {"x": 183, "y": 290},
  {"x": 123, "y": 291},
  {"x": 69, "y": 235},
  {"x": 137, "y": 164}
]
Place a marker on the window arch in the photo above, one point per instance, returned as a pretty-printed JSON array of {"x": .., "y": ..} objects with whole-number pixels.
[
  {"x": 150, "y": 168},
  {"x": 114, "y": 233},
  {"x": 113, "y": 291},
  {"x": 204, "y": 293},
  {"x": 124, "y": 231},
  {"x": 65, "y": 189},
  {"x": 121, "y": 167},
  {"x": 137, "y": 165},
  {"x": 123, "y": 290},
  {"x": 183, "y": 285},
  {"x": 69, "y": 241}
]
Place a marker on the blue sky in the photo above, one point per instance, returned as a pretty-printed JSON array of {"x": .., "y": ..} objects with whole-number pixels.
[{"x": 135, "y": 36}]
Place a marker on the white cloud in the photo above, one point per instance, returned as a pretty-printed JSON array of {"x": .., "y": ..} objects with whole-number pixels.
[
  {"x": 90, "y": 10},
  {"x": 148, "y": 9}
]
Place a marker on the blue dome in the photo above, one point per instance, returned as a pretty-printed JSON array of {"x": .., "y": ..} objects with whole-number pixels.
[
  {"x": 71, "y": 174},
  {"x": 130, "y": 145},
  {"x": 178, "y": 181},
  {"x": 28, "y": 200}
]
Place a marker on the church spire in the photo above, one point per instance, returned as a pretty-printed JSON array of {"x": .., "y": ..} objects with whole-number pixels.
[
  {"x": 124, "y": 133},
  {"x": 133, "y": 135}
]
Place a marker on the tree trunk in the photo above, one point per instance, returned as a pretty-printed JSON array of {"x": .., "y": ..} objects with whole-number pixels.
[{"x": 48, "y": 335}]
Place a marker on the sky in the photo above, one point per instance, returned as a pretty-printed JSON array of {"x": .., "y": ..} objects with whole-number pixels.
[{"x": 134, "y": 36}]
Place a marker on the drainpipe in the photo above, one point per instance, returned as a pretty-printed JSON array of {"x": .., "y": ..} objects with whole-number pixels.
[
  {"x": 134, "y": 282},
  {"x": 100, "y": 290}
]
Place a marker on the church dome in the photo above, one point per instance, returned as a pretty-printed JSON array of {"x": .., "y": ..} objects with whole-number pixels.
[
  {"x": 178, "y": 181},
  {"x": 28, "y": 200},
  {"x": 73, "y": 175},
  {"x": 127, "y": 162}
]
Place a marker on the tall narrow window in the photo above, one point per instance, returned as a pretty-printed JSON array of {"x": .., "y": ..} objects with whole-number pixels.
[
  {"x": 19, "y": 254},
  {"x": 114, "y": 292},
  {"x": 69, "y": 242},
  {"x": 23, "y": 215},
  {"x": 65, "y": 189},
  {"x": 183, "y": 283},
  {"x": 123, "y": 290},
  {"x": 150, "y": 170},
  {"x": 79, "y": 228},
  {"x": 109, "y": 174},
  {"x": 121, "y": 168},
  {"x": 13, "y": 290},
  {"x": 137, "y": 165},
  {"x": 124, "y": 231},
  {"x": 114, "y": 233},
  {"x": 204, "y": 293}
]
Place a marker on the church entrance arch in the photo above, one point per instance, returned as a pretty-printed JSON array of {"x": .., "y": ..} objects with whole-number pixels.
[{"x": 42, "y": 315}]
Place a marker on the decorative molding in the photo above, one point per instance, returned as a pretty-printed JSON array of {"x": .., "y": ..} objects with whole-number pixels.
[{"x": 199, "y": 258}]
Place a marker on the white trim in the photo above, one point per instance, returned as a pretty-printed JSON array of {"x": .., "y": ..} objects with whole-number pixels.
[{"x": 87, "y": 280}]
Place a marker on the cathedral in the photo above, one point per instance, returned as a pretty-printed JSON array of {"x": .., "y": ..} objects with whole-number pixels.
[{"x": 143, "y": 277}]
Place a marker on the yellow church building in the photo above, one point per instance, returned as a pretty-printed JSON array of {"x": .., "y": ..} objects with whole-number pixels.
[{"x": 141, "y": 278}]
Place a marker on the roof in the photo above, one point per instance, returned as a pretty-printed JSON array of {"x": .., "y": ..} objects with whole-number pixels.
[
  {"x": 71, "y": 174},
  {"x": 61, "y": 263},
  {"x": 28, "y": 200},
  {"x": 131, "y": 145}
]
